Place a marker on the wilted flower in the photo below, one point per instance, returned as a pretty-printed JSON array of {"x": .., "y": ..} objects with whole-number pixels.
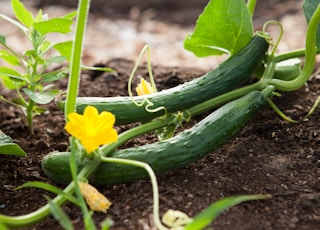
[
  {"x": 91, "y": 128},
  {"x": 144, "y": 88},
  {"x": 95, "y": 200}
]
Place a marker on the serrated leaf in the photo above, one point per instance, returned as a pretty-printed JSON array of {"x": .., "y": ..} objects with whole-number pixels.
[
  {"x": 7, "y": 146},
  {"x": 22, "y": 14},
  {"x": 54, "y": 25},
  {"x": 309, "y": 7},
  {"x": 225, "y": 26},
  {"x": 39, "y": 97}
]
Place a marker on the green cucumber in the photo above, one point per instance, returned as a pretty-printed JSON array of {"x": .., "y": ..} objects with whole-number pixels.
[
  {"x": 233, "y": 72},
  {"x": 180, "y": 150}
]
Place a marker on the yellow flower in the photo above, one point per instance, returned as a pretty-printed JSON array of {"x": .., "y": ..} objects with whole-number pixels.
[
  {"x": 144, "y": 88},
  {"x": 95, "y": 200},
  {"x": 91, "y": 128}
]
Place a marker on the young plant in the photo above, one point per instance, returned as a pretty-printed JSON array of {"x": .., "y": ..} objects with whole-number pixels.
[{"x": 27, "y": 72}]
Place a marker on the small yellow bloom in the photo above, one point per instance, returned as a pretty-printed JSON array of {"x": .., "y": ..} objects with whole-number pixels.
[
  {"x": 95, "y": 200},
  {"x": 144, "y": 88},
  {"x": 91, "y": 128}
]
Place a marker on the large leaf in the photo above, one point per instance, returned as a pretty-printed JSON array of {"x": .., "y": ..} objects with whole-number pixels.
[
  {"x": 8, "y": 147},
  {"x": 22, "y": 14},
  {"x": 10, "y": 58},
  {"x": 39, "y": 97},
  {"x": 309, "y": 7},
  {"x": 11, "y": 78},
  {"x": 225, "y": 26},
  {"x": 64, "y": 48}
]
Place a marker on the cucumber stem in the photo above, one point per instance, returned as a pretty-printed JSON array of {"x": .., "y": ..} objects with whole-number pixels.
[
  {"x": 293, "y": 54},
  {"x": 310, "y": 58}
]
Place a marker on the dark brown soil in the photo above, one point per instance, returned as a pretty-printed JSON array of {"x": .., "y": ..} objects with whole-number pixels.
[{"x": 268, "y": 156}]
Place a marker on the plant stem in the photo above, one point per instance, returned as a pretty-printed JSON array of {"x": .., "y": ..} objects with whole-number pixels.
[
  {"x": 154, "y": 183},
  {"x": 292, "y": 54},
  {"x": 310, "y": 58},
  {"x": 73, "y": 168},
  {"x": 30, "y": 116},
  {"x": 251, "y": 5},
  {"x": 75, "y": 62}
]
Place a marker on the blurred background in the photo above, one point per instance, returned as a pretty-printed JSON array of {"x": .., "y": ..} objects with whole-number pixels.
[{"x": 120, "y": 28}]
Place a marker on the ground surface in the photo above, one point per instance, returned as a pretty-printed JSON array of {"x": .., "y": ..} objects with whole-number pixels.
[{"x": 268, "y": 156}]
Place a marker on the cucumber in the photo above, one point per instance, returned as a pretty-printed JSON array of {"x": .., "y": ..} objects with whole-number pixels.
[
  {"x": 233, "y": 72},
  {"x": 180, "y": 150}
]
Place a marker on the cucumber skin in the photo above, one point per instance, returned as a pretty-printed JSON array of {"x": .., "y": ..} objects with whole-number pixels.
[
  {"x": 185, "y": 148},
  {"x": 233, "y": 72}
]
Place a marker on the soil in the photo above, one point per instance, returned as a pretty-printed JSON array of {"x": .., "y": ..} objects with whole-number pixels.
[{"x": 268, "y": 156}]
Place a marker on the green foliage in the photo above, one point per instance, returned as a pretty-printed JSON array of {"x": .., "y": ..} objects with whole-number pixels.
[
  {"x": 33, "y": 73},
  {"x": 59, "y": 215},
  {"x": 8, "y": 147},
  {"x": 309, "y": 7},
  {"x": 205, "y": 217},
  {"x": 225, "y": 26}
]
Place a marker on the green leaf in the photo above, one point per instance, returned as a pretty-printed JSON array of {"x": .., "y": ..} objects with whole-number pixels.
[
  {"x": 59, "y": 215},
  {"x": 54, "y": 25},
  {"x": 22, "y": 14},
  {"x": 39, "y": 97},
  {"x": 209, "y": 214},
  {"x": 15, "y": 23},
  {"x": 56, "y": 59},
  {"x": 64, "y": 48},
  {"x": 3, "y": 226},
  {"x": 3, "y": 40},
  {"x": 225, "y": 26},
  {"x": 309, "y": 7},
  {"x": 288, "y": 70},
  {"x": 71, "y": 15},
  {"x": 102, "y": 69},
  {"x": 51, "y": 77},
  {"x": 11, "y": 78},
  {"x": 10, "y": 58},
  {"x": 7, "y": 146},
  {"x": 39, "y": 16},
  {"x": 50, "y": 188}
]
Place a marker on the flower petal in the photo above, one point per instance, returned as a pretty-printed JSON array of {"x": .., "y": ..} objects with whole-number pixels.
[{"x": 91, "y": 128}]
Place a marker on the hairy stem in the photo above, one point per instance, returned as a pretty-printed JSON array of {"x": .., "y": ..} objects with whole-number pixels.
[{"x": 75, "y": 62}]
